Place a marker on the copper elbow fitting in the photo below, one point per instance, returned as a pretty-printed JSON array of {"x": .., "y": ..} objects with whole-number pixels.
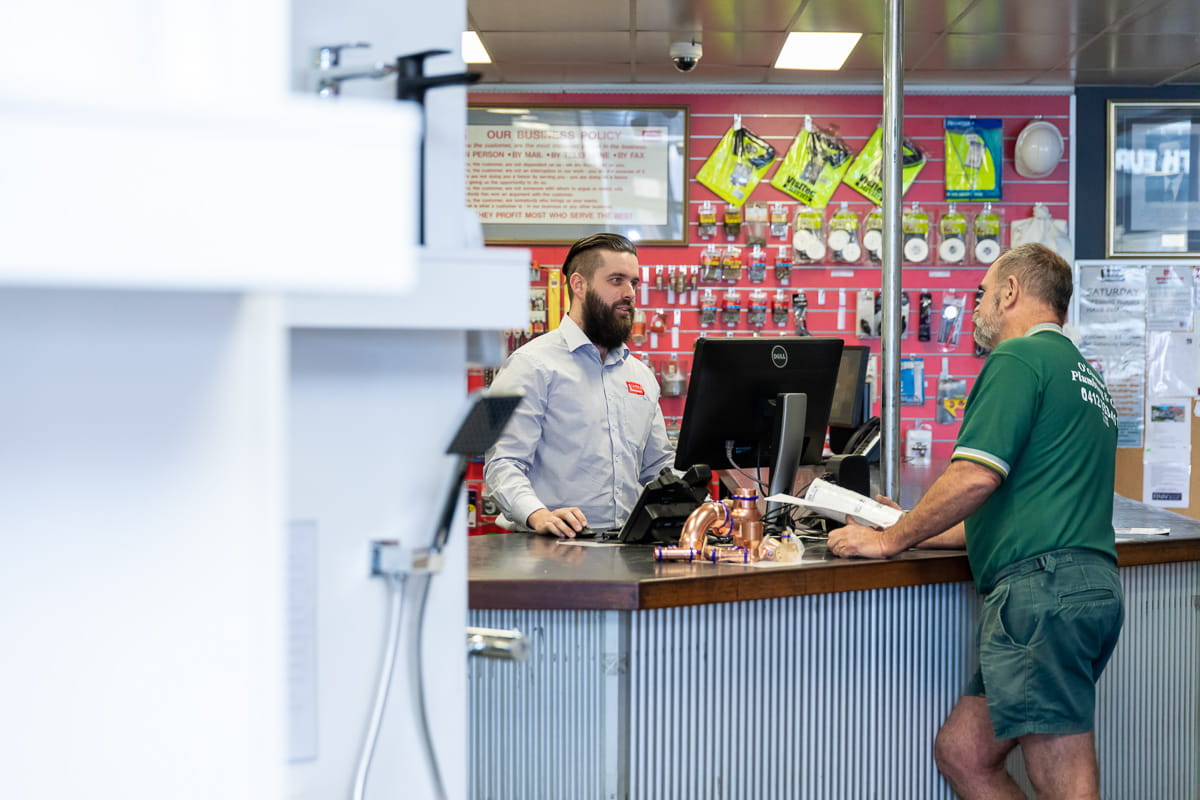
[{"x": 714, "y": 516}]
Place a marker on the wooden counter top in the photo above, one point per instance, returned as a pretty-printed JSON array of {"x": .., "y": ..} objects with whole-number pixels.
[{"x": 521, "y": 571}]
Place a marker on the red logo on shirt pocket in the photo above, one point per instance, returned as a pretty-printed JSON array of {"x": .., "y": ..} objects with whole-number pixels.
[{"x": 634, "y": 388}]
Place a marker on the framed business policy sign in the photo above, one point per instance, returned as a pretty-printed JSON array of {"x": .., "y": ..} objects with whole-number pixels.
[
  {"x": 555, "y": 174},
  {"x": 1153, "y": 179}
]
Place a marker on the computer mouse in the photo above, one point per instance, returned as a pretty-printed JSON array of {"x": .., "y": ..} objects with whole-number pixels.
[{"x": 586, "y": 533}]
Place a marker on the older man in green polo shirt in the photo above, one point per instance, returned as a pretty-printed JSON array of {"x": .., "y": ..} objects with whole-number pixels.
[{"x": 1030, "y": 491}]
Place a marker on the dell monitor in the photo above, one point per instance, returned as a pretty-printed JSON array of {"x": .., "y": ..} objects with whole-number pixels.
[
  {"x": 851, "y": 397},
  {"x": 764, "y": 400}
]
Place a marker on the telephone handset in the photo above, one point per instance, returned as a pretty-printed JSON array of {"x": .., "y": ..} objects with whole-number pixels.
[{"x": 865, "y": 439}]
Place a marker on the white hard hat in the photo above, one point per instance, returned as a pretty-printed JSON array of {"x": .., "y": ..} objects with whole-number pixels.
[{"x": 1039, "y": 148}]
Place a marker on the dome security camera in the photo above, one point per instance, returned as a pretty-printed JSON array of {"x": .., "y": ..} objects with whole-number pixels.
[{"x": 686, "y": 55}]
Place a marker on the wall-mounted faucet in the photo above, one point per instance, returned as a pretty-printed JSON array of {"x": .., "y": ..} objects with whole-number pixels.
[
  {"x": 328, "y": 58},
  {"x": 330, "y": 55},
  {"x": 411, "y": 85}
]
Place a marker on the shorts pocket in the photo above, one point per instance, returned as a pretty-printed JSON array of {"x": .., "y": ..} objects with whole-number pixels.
[
  {"x": 996, "y": 623},
  {"x": 1081, "y": 596},
  {"x": 1018, "y": 620}
]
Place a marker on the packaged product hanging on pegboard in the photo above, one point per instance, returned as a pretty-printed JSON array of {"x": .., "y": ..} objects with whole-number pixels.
[
  {"x": 737, "y": 164},
  {"x": 813, "y": 166},
  {"x": 865, "y": 175},
  {"x": 974, "y": 155}
]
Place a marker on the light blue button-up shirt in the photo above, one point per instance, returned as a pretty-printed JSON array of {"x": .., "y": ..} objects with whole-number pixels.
[{"x": 586, "y": 434}]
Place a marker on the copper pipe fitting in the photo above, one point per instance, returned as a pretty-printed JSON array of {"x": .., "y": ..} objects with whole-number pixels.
[
  {"x": 737, "y": 516},
  {"x": 676, "y": 554},
  {"x": 739, "y": 555},
  {"x": 747, "y": 523},
  {"x": 709, "y": 516}
]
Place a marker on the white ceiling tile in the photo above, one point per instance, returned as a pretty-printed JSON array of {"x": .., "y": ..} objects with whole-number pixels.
[
  {"x": 556, "y": 48},
  {"x": 537, "y": 15}
]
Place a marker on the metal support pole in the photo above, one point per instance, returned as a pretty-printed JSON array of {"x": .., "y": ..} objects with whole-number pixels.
[{"x": 893, "y": 151}]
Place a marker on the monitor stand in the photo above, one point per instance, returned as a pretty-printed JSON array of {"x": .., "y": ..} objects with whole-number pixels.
[{"x": 788, "y": 440}]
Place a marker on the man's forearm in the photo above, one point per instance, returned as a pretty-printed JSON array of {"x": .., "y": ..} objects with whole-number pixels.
[
  {"x": 953, "y": 539},
  {"x": 509, "y": 486},
  {"x": 954, "y": 496}
]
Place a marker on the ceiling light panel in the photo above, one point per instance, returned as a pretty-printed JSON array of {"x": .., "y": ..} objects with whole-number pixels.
[
  {"x": 473, "y": 51},
  {"x": 816, "y": 50}
]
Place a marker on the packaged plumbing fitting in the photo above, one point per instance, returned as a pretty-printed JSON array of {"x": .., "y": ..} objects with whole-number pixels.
[
  {"x": 731, "y": 264},
  {"x": 710, "y": 263},
  {"x": 779, "y": 220},
  {"x": 708, "y": 308},
  {"x": 988, "y": 227},
  {"x": 873, "y": 234},
  {"x": 780, "y": 308},
  {"x": 915, "y": 224},
  {"x": 952, "y": 237},
  {"x": 843, "y": 236},
  {"x": 732, "y": 221},
  {"x": 758, "y": 264},
  {"x": 706, "y": 227},
  {"x": 809, "y": 237},
  {"x": 757, "y": 220},
  {"x": 783, "y": 265}
]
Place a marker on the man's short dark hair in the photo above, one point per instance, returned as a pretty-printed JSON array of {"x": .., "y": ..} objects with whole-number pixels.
[
  {"x": 583, "y": 257},
  {"x": 1042, "y": 272}
]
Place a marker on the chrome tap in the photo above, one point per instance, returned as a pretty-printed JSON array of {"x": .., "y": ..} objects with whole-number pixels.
[
  {"x": 328, "y": 59},
  {"x": 330, "y": 55}
]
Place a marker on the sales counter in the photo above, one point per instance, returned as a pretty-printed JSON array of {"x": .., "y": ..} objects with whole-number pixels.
[{"x": 827, "y": 678}]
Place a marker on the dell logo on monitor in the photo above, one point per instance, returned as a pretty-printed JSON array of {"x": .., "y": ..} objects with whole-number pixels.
[{"x": 779, "y": 356}]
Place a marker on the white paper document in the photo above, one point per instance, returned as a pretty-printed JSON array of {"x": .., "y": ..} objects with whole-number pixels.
[{"x": 836, "y": 502}]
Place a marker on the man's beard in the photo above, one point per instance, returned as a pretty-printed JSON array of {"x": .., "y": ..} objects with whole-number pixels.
[
  {"x": 602, "y": 324},
  {"x": 986, "y": 330}
]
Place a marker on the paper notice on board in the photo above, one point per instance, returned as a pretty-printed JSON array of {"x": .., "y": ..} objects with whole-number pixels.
[
  {"x": 1112, "y": 327},
  {"x": 568, "y": 174},
  {"x": 1169, "y": 298},
  {"x": 1169, "y": 426},
  {"x": 1172, "y": 366},
  {"x": 1195, "y": 354},
  {"x": 1167, "y": 474}
]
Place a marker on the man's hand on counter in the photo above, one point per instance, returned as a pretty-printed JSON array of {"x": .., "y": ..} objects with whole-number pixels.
[
  {"x": 862, "y": 541},
  {"x": 561, "y": 522},
  {"x": 953, "y": 497}
]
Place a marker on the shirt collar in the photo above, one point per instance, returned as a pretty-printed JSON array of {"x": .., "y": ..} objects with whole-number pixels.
[
  {"x": 575, "y": 338},
  {"x": 1045, "y": 326}
]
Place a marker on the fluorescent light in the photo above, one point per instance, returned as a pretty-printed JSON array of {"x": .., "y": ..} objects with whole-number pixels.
[
  {"x": 473, "y": 50},
  {"x": 816, "y": 50}
]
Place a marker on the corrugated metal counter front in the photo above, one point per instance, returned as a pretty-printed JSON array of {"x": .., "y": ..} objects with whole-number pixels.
[{"x": 826, "y": 679}]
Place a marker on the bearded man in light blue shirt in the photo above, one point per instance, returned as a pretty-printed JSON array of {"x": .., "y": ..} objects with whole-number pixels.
[{"x": 589, "y": 433}]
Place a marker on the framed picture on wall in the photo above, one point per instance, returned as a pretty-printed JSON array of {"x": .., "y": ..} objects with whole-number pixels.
[
  {"x": 553, "y": 174},
  {"x": 1153, "y": 179}
]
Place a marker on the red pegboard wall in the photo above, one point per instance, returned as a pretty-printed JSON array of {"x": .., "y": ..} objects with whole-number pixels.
[{"x": 777, "y": 118}]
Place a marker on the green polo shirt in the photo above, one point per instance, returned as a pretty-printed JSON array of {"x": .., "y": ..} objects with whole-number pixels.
[{"x": 1041, "y": 417}]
